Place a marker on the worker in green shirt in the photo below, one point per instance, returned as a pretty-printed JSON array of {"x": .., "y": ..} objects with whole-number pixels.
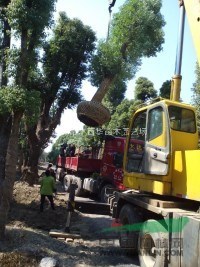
[{"x": 47, "y": 189}]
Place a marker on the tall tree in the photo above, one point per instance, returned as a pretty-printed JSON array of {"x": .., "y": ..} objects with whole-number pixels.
[
  {"x": 28, "y": 20},
  {"x": 165, "y": 89},
  {"x": 64, "y": 66},
  {"x": 144, "y": 89}
]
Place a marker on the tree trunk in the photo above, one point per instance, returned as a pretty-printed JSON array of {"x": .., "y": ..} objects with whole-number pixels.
[
  {"x": 38, "y": 136},
  {"x": 30, "y": 172},
  {"x": 5, "y": 130},
  {"x": 20, "y": 159},
  {"x": 103, "y": 89},
  {"x": 10, "y": 173},
  {"x": 5, "y": 45}
]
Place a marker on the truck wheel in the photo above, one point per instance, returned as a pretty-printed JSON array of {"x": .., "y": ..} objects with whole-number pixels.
[
  {"x": 153, "y": 244},
  {"x": 79, "y": 190},
  {"x": 129, "y": 218},
  {"x": 68, "y": 179},
  {"x": 60, "y": 175},
  {"x": 103, "y": 196}
]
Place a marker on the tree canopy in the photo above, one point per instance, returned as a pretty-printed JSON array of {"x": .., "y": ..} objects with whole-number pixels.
[
  {"x": 136, "y": 32},
  {"x": 165, "y": 89},
  {"x": 144, "y": 89}
]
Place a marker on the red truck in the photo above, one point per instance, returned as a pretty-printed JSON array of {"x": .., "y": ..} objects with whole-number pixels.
[{"x": 96, "y": 171}]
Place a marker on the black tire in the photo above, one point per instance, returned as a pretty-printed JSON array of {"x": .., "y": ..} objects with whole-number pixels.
[
  {"x": 128, "y": 238},
  {"x": 79, "y": 190},
  {"x": 71, "y": 178},
  {"x": 103, "y": 196},
  {"x": 60, "y": 174},
  {"x": 153, "y": 244}
]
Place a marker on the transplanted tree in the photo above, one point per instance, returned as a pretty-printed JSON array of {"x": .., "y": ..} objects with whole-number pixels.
[
  {"x": 144, "y": 89},
  {"x": 165, "y": 89},
  {"x": 136, "y": 32},
  {"x": 64, "y": 66}
]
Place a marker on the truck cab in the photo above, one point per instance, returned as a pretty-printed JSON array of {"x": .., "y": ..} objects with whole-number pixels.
[{"x": 110, "y": 176}]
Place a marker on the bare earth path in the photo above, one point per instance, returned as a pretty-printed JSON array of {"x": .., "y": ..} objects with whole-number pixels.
[{"x": 28, "y": 240}]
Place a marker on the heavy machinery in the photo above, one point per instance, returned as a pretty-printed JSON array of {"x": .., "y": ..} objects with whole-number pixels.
[{"x": 160, "y": 216}]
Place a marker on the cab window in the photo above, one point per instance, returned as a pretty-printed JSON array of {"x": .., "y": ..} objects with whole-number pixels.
[
  {"x": 136, "y": 143},
  {"x": 182, "y": 119},
  {"x": 155, "y": 123}
]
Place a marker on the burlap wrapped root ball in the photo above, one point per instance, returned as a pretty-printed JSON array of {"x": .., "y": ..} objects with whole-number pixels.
[{"x": 92, "y": 113}]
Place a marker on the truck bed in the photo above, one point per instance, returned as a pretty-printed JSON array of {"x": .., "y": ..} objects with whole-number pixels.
[{"x": 79, "y": 164}]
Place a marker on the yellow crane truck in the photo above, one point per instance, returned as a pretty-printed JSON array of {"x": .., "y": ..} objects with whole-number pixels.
[{"x": 159, "y": 217}]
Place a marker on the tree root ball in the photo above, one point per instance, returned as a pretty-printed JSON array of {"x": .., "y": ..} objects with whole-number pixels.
[{"x": 92, "y": 113}]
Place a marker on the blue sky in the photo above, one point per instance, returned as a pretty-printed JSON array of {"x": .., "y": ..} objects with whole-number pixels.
[{"x": 158, "y": 69}]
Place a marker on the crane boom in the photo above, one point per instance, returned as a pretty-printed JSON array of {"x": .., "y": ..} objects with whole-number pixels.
[{"x": 192, "y": 8}]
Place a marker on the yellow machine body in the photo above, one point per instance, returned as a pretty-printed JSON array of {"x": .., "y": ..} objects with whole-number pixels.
[{"x": 169, "y": 161}]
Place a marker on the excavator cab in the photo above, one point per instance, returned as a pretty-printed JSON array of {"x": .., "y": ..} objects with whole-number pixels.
[{"x": 163, "y": 129}]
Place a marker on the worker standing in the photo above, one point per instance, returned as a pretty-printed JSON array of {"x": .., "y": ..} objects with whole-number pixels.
[
  {"x": 52, "y": 171},
  {"x": 47, "y": 189}
]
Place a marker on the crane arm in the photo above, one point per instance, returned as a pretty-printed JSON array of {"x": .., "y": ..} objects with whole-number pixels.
[{"x": 192, "y": 8}]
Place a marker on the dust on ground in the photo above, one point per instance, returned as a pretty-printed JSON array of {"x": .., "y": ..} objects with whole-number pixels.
[{"x": 28, "y": 241}]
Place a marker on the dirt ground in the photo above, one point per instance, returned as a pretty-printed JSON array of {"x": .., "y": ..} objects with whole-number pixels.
[{"x": 28, "y": 240}]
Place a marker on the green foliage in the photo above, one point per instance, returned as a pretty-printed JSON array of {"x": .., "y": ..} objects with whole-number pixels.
[
  {"x": 86, "y": 137},
  {"x": 196, "y": 94},
  {"x": 32, "y": 108},
  {"x": 14, "y": 98},
  {"x": 115, "y": 95},
  {"x": 107, "y": 62},
  {"x": 91, "y": 137},
  {"x": 12, "y": 57},
  {"x": 136, "y": 32},
  {"x": 144, "y": 89},
  {"x": 66, "y": 59},
  {"x": 120, "y": 119},
  {"x": 32, "y": 16},
  {"x": 165, "y": 89},
  {"x": 138, "y": 26},
  {"x": 69, "y": 138},
  {"x": 52, "y": 156}
]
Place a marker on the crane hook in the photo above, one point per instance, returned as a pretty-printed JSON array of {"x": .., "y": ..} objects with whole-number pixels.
[{"x": 111, "y": 4}]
